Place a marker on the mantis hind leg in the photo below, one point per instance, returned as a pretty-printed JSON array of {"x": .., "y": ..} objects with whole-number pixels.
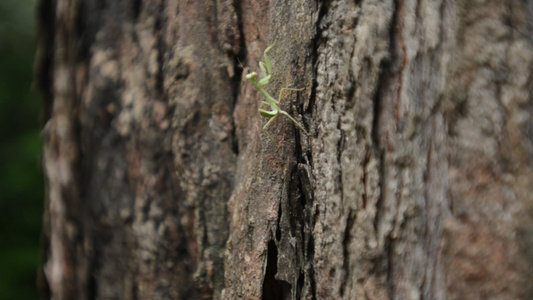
[
  {"x": 268, "y": 64},
  {"x": 294, "y": 121}
]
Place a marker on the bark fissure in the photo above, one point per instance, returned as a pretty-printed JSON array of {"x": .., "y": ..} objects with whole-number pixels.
[
  {"x": 389, "y": 250},
  {"x": 425, "y": 285},
  {"x": 273, "y": 288},
  {"x": 308, "y": 288},
  {"x": 238, "y": 70},
  {"x": 322, "y": 7},
  {"x": 161, "y": 47},
  {"x": 347, "y": 239},
  {"x": 136, "y": 7},
  {"x": 378, "y": 149}
]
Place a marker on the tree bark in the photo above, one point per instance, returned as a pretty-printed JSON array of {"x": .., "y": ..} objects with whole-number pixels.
[{"x": 415, "y": 182}]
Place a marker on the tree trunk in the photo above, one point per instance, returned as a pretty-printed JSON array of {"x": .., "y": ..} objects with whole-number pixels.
[{"x": 415, "y": 181}]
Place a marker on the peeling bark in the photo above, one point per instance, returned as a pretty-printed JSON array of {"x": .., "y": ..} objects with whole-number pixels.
[{"x": 415, "y": 181}]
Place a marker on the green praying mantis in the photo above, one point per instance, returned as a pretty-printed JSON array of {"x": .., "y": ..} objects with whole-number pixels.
[{"x": 266, "y": 70}]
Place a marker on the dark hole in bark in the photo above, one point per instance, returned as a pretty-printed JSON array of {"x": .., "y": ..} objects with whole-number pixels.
[{"x": 274, "y": 289}]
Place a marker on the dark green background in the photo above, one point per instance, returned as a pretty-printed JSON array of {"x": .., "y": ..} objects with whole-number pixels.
[{"x": 21, "y": 178}]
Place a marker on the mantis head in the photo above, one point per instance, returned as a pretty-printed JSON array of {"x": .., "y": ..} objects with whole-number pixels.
[{"x": 251, "y": 76}]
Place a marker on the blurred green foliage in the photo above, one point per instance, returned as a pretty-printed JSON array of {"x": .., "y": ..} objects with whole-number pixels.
[{"x": 21, "y": 179}]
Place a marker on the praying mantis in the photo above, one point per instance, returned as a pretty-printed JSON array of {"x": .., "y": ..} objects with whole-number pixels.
[{"x": 266, "y": 70}]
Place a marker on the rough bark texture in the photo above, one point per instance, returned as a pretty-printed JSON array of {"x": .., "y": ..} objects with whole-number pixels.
[{"x": 416, "y": 181}]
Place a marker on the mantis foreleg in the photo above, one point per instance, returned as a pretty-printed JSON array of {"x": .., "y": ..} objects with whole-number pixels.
[
  {"x": 266, "y": 126},
  {"x": 286, "y": 89}
]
